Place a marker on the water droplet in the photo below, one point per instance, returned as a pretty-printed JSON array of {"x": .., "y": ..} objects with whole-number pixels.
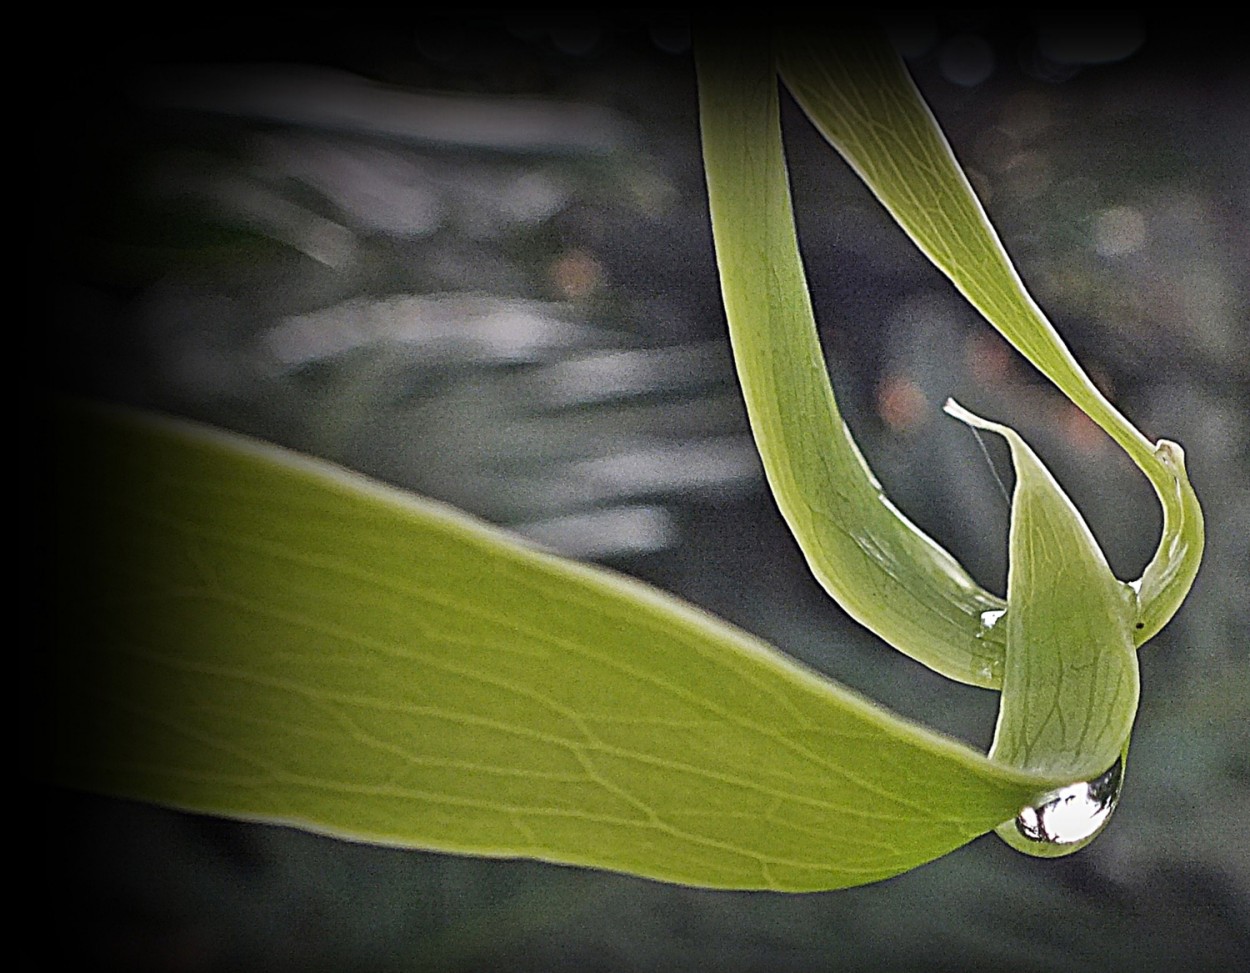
[
  {"x": 989, "y": 619},
  {"x": 1072, "y": 815}
]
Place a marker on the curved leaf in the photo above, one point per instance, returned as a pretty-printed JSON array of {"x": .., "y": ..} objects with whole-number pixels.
[
  {"x": 1067, "y": 665},
  {"x": 1070, "y": 685},
  {"x": 249, "y": 632},
  {"x": 1071, "y": 682},
  {"x": 879, "y": 567},
  {"x": 857, "y": 92}
]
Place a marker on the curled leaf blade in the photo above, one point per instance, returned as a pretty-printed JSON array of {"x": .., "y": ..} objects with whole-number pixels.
[
  {"x": 857, "y": 92},
  {"x": 1071, "y": 683},
  {"x": 884, "y": 571}
]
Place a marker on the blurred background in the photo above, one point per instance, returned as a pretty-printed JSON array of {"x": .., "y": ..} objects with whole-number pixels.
[{"x": 474, "y": 260}]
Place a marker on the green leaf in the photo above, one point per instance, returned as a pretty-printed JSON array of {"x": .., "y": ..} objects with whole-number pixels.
[
  {"x": 248, "y": 632},
  {"x": 1070, "y": 685},
  {"x": 1071, "y": 682},
  {"x": 879, "y": 567},
  {"x": 855, "y": 89},
  {"x": 1065, "y": 658}
]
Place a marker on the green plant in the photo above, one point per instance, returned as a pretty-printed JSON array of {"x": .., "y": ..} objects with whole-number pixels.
[{"x": 252, "y": 633}]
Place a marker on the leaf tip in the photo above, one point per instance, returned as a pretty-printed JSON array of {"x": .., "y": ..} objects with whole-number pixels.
[{"x": 957, "y": 411}]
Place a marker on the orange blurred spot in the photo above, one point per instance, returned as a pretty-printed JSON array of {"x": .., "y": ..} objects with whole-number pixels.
[
  {"x": 988, "y": 359},
  {"x": 1102, "y": 380},
  {"x": 575, "y": 274},
  {"x": 900, "y": 402},
  {"x": 1081, "y": 432}
]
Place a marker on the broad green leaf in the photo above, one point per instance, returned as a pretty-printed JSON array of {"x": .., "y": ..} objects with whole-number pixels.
[
  {"x": 855, "y": 89},
  {"x": 879, "y": 567},
  {"x": 248, "y": 632}
]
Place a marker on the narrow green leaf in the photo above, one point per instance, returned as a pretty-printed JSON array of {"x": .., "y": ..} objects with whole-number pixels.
[
  {"x": 1067, "y": 666},
  {"x": 879, "y": 567},
  {"x": 1070, "y": 685},
  {"x": 855, "y": 89},
  {"x": 248, "y": 632}
]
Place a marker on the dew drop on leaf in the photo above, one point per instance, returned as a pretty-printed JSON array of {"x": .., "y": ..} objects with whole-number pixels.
[
  {"x": 989, "y": 619},
  {"x": 1074, "y": 813}
]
